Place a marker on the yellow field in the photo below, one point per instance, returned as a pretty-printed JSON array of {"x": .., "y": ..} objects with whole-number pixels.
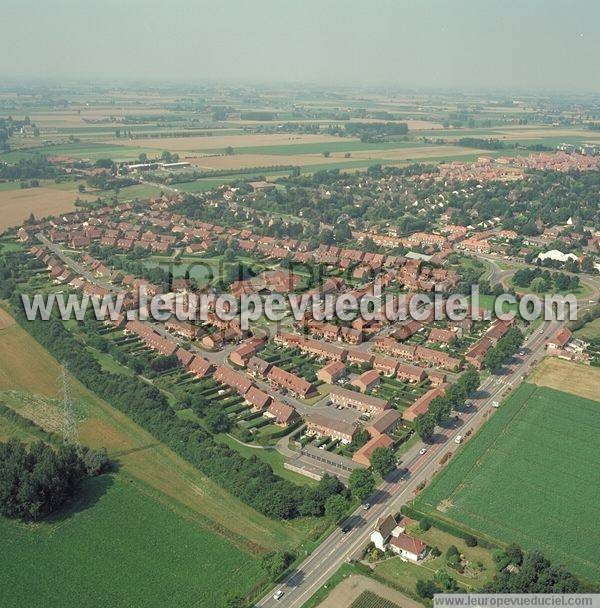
[
  {"x": 240, "y": 161},
  {"x": 29, "y": 382},
  {"x": 418, "y": 153},
  {"x": 222, "y": 141},
  {"x": 17, "y": 205},
  {"x": 575, "y": 378}
]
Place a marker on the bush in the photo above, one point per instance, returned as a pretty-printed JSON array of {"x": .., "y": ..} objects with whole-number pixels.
[
  {"x": 276, "y": 563},
  {"x": 471, "y": 541},
  {"x": 425, "y": 524}
]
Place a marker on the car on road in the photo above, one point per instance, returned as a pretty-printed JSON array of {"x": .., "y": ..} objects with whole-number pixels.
[
  {"x": 495, "y": 404},
  {"x": 458, "y": 439},
  {"x": 366, "y": 506},
  {"x": 278, "y": 594},
  {"x": 422, "y": 451},
  {"x": 345, "y": 529}
]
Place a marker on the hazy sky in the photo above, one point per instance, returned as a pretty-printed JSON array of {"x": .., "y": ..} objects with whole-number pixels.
[{"x": 532, "y": 44}]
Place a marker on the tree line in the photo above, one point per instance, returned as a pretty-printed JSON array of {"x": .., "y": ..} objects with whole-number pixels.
[
  {"x": 441, "y": 407},
  {"x": 249, "y": 479}
]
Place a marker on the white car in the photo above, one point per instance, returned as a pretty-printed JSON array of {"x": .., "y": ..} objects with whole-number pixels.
[
  {"x": 422, "y": 451},
  {"x": 495, "y": 404},
  {"x": 278, "y": 594},
  {"x": 458, "y": 439}
]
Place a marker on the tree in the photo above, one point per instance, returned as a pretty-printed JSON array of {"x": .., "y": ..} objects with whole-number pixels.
[
  {"x": 229, "y": 151},
  {"x": 37, "y": 480},
  {"x": 383, "y": 461},
  {"x": 425, "y": 524},
  {"x": 335, "y": 508},
  {"x": 447, "y": 582},
  {"x": 424, "y": 426},
  {"x": 538, "y": 285},
  {"x": 536, "y": 575},
  {"x": 217, "y": 421},
  {"x": 427, "y": 589},
  {"x": 143, "y": 157},
  {"x": 276, "y": 563},
  {"x": 361, "y": 483},
  {"x": 514, "y": 553}
]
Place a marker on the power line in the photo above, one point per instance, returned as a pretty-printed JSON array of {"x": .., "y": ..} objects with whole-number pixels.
[{"x": 69, "y": 429}]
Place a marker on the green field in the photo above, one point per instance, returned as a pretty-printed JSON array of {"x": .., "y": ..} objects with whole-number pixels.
[
  {"x": 530, "y": 476},
  {"x": 90, "y": 150},
  {"x": 117, "y": 546}
]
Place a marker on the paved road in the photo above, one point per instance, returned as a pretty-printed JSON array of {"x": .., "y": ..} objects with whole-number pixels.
[{"x": 338, "y": 548}]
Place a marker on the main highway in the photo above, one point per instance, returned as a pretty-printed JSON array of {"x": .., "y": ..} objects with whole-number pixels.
[{"x": 339, "y": 547}]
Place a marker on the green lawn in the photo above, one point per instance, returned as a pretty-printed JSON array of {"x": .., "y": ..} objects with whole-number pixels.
[
  {"x": 120, "y": 547},
  {"x": 530, "y": 476},
  {"x": 589, "y": 330},
  {"x": 271, "y": 455}
]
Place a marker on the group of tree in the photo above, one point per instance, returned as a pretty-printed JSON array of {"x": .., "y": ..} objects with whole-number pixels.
[
  {"x": 31, "y": 167},
  {"x": 35, "y": 481},
  {"x": 539, "y": 280},
  {"x": 441, "y": 407},
  {"x": 376, "y": 131},
  {"x": 505, "y": 348},
  {"x": 531, "y": 573}
]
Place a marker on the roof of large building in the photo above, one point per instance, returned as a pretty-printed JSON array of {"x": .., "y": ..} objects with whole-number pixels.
[
  {"x": 384, "y": 421},
  {"x": 421, "y": 405},
  {"x": 344, "y": 393},
  {"x": 381, "y": 441},
  {"x": 329, "y": 422}
]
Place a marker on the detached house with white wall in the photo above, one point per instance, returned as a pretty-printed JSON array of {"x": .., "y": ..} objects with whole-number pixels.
[{"x": 389, "y": 534}]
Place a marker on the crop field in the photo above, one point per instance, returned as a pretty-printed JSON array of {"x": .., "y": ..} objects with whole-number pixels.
[
  {"x": 88, "y": 150},
  {"x": 339, "y": 145},
  {"x": 223, "y": 141},
  {"x": 117, "y": 546},
  {"x": 245, "y": 161},
  {"x": 29, "y": 382},
  {"x": 367, "y": 599},
  {"x": 582, "y": 380},
  {"x": 17, "y": 205},
  {"x": 530, "y": 476}
]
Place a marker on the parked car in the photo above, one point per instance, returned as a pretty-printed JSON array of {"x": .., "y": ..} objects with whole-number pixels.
[
  {"x": 458, "y": 439},
  {"x": 422, "y": 451},
  {"x": 278, "y": 594}
]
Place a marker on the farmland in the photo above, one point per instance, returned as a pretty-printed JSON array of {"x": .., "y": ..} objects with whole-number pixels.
[
  {"x": 29, "y": 383},
  {"x": 582, "y": 380},
  {"x": 117, "y": 545},
  {"x": 526, "y": 477},
  {"x": 367, "y": 599},
  {"x": 16, "y": 204}
]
